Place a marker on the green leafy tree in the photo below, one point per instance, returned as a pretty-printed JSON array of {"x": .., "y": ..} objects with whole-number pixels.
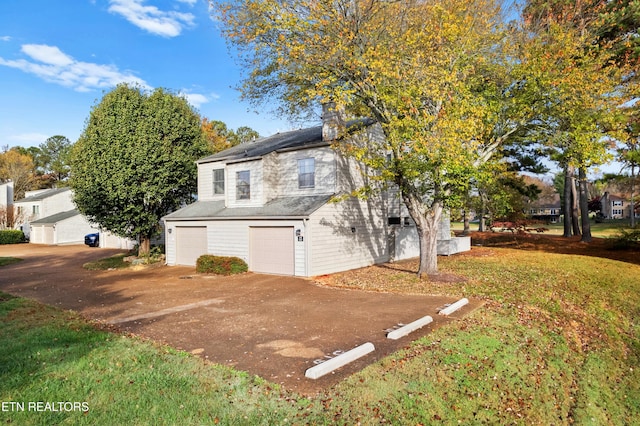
[
  {"x": 219, "y": 137},
  {"x": 246, "y": 134},
  {"x": 429, "y": 72},
  {"x": 580, "y": 112},
  {"x": 53, "y": 158},
  {"x": 135, "y": 161}
]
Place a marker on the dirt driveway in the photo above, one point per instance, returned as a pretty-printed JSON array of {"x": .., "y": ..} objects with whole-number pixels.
[{"x": 271, "y": 326}]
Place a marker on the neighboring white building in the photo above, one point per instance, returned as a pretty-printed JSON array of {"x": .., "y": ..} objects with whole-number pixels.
[
  {"x": 270, "y": 203},
  {"x": 43, "y": 203},
  {"x": 6, "y": 195},
  {"x": 52, "y": 218},
  {"x": 7, "y": 213},
  {"x": 67, "y": 227}
]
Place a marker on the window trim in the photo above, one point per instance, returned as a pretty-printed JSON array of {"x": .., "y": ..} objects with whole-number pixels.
[
  {"x": 303, "y": 175},
  {"x": 217, "y": 182}
]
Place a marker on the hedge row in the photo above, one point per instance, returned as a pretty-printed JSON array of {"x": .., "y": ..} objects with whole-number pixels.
[
  {"x": 221, "y": 265},
  {"x": 11, "y": 236}
]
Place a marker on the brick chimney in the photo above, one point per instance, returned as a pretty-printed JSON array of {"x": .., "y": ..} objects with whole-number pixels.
[{"x": 334, "y": 123}]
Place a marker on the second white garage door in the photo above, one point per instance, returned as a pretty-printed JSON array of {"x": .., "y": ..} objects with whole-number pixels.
[
  {"x": 191, "y": 243},
  {"x": 272, "y": 250}
]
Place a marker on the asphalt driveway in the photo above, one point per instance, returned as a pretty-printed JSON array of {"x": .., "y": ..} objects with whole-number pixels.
[{"x": 271, "y": 326}]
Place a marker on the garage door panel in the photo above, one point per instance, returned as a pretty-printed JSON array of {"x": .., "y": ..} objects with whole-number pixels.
[
  {"x": 191, "y": 243},
  {"x": 272, "y": 250}
]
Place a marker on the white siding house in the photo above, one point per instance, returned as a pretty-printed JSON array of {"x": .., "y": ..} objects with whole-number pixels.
[
  {"x": 271, "y": 203},
  {"x": 7, "y": 212},
  {"x": 68, "y": 227},
  {"x": 51, "y": 218},
  {"x": 6, "y": 195},
  {"x": 42, "y": 203}
]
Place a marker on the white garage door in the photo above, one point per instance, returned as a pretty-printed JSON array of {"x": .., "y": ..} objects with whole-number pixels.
[
  {"x": 49, "y": 235},
  {"x": 272, "y": 250},
  {"x": 191, "y": 243}
]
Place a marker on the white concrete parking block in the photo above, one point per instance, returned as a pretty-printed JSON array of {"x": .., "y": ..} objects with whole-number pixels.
[
  {"x": 454, "y": 307},
  {"x": 406, "y": 329},
  {"x": 339, "y": 361}
]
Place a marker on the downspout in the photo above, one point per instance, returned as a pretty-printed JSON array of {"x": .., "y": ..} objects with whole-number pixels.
[{"x": 307, "y": 255}]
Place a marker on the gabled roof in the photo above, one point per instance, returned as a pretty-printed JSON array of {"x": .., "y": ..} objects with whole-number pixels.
[
  {"x": 285, "y": 207},
  {"x": 295, "y": 139},
  {"x": 44, "y": 194},
  {"x": 55, "y": 218}
]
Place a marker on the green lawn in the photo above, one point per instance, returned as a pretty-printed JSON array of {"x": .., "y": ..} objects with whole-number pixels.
[
  {"x": 602, "y": 230},
  {"x": 557, "y": 342}
]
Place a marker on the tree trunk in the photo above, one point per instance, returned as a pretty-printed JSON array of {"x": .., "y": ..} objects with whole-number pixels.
[
  {"x": 427, "y": 220},
  {"x": 575, "y": 214},
  {"x": 632, "y": 222},
  {"x": 482, "y": 213},
  {"x": 584, "y": 206},
  {"x": 465, "y": 220},
  {"x": 145, "y": 246},
  {"x": 568, "y": 203}
]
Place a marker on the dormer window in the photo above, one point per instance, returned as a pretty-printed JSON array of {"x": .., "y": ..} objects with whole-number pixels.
[
  {"x": 218, "y": 182},
  {"x": 243, "y": 185},
  {"x": 306, "y": 173}
]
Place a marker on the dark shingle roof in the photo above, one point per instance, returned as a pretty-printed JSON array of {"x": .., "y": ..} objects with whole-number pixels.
[
  {"x": 55, "y": 218},
  {"x": 44, "y": 194},
  {"x": 279, "y": 207},
  {"x": 288, "y": 140}
]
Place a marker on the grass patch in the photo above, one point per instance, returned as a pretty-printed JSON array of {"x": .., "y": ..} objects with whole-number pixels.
[
  {"x": 557, "y": 342},
  {"x": 601, "y": 230},
  {"x": 113, "y": 262},
  {"x": 4, "y": 261},
  {"x": 49, "y": 355}
]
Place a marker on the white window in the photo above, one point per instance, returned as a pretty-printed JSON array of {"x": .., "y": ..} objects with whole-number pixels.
[
  {"x": 35, "y": 210},
  {"x": 617, "y": 212},
  {"x": 218, "y": 181},
  {"x": 243, "y": 185},
  {"x": 617, "y": 203},
  {"x": 306, "y": 173}
]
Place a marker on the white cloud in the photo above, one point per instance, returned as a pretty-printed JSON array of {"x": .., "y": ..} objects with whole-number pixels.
[
  {"x": 197, "y": 99},
  {"x": 5, "y": 38},
  {"x": 152, "y": 19},
  {"x": 54, "y": 66},
  {"x": 48, "y": 54},
  {"x": 189, "y": 2}
]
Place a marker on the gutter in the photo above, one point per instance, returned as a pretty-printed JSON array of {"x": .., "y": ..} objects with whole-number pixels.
[{"x": 218, "y": 218}]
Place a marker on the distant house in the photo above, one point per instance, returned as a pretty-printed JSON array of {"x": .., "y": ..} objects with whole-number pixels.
[
  {"x": 50, "y": 217},
  {"x": 270, "y": 202},
  {"x": 545, "y": 210},
  {"x": 42, "y": 203},
  {"x": 6, "y": 195},
  {"x": 546, "y": 207},
  {"x": 67, "y": 227},
  {"x": 615, "y": 206},
  {"x": 6, "y": 205}
]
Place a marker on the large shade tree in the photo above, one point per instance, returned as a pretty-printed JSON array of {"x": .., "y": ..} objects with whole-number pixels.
[
  {"x": 429, "y": 72},
  {"x": 53, "y": 158},
  {"x": 135, "y": 161},
  {"x": 581, "y": 86}
]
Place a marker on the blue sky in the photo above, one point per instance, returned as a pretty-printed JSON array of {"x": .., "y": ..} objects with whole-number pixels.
[{"x": 58, "y": 58}]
